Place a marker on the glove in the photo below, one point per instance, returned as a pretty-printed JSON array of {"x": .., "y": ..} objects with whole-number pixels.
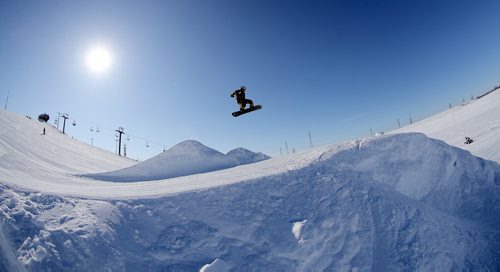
[{"x": 232, "y": 95}]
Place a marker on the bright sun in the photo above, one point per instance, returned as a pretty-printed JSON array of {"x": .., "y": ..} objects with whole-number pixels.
[{"x": 98, "y": 60}]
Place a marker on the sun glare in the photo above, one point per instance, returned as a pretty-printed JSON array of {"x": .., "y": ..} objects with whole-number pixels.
[{"x": 98, "y": 60}]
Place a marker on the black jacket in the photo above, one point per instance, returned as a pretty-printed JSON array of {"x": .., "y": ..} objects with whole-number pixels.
[{"x": 240, "y": 95}]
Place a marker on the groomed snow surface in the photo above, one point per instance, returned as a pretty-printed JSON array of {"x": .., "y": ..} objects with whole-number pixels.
[{"x": 393, "y": 202}]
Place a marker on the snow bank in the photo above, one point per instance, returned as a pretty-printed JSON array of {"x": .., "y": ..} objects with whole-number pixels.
[
  {"x": 186, "y": 158},
  {"x": 428, "y": 170},
  {"x": 400, "y": 202}
]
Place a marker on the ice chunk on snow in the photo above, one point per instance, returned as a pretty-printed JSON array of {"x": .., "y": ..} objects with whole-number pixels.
[
  {"x": 217, "y": 265},
  {"x": 297, "y": 230}
]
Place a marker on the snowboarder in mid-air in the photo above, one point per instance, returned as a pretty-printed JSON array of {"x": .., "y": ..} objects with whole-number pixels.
[
  {"x": 242, "y": 101},
  {"x": 240, "y": 98}
]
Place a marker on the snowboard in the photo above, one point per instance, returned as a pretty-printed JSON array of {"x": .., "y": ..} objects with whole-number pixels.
[{"x": 238, "y": 113}]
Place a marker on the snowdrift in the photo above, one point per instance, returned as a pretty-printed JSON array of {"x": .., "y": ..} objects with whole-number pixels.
[
  {"x": 397, "y": 202},
  {"x": 186, "y": 158}
]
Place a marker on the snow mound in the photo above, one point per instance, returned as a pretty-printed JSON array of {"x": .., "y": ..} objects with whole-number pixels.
[
  {"x": 245, "y": 156},
  {"x": 396, "y": 202},
  {"x": 186, "y": 158},
  {"x": 428, "y": 170}
]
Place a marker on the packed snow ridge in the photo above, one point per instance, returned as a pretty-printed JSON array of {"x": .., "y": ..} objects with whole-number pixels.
[{"x": 186, "y": 158}]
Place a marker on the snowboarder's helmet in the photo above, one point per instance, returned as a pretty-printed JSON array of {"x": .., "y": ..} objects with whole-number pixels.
[{"x": 243, "y": 88}]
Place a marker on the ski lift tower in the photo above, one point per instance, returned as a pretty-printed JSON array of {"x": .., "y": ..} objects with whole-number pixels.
[
  {"x": 120, "y": 132},
  {"x": 65, "y": 116}
]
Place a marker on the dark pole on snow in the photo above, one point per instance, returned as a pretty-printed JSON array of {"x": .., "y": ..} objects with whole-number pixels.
[
  {"x": 120, "y": 131},
  {"x": 65, "y": 116}
]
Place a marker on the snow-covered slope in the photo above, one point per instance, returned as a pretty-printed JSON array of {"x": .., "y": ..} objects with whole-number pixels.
[
  {"x": 186, "y": 158},
  {"x": 394, "y": 202},
  {"x": 399, "y": 202},
  {"x": 478, "y": 119},
  {"x": 23, "y": 147}
]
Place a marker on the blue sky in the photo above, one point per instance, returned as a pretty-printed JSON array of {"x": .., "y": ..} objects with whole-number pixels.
[{"x": 335, "y": 68}]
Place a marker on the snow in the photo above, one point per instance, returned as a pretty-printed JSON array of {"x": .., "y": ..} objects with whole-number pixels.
[
  {"x": 245, "y": 156},
  {"x": 297, "y": 230},
  {"x": 186, "y": 158},
  {"x": 392, "y": 202},
  {"x": 478, "y": 119},
  {"x": 217, "y": 266}
]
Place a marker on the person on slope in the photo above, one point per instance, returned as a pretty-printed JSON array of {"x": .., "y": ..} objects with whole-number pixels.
[{"x": 240, "y": 98}]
